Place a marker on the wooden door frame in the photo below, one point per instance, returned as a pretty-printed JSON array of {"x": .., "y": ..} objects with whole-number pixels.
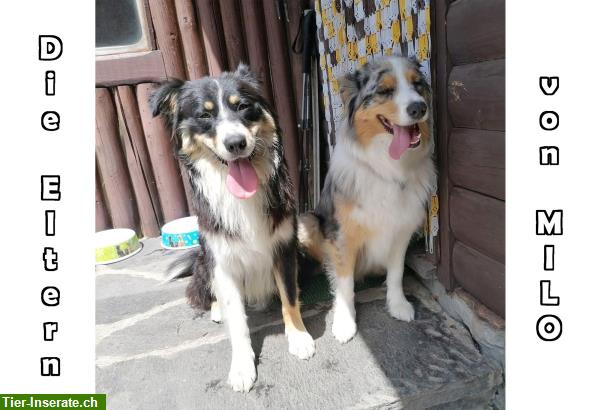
[
  {"x": 441, "y": 63},
  {"x": 132, "y": 68}
]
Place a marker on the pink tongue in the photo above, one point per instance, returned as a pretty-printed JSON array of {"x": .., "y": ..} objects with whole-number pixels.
[
  {"x": 242, "y": 180},
  {"x": 400, "y": 142}
]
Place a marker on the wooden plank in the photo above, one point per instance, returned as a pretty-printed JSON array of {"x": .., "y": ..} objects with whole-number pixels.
[
  {"x": 138, "y": 161},
  {"x": 193, "y": 46},
  {"x": 442, "y": 67},
  {"x": 187, "y": 188},
  {"x": 476, "y": 95},
  {"x": 477, "y": 160},
  {"x": 112, "y": 165},
  {"x": 478, "y": 221},
  {"x": 256, "y": 44},
  {"x": 233, "y": 33},
  {"x": 283, "y": 94},
  {"x": 130, "y": 69},
  {"x": 481, "y": 276},
  {"x": 167, "y": 36},
  {"x": 476, "y": 31},
  {"x": 148, "y": 25},
  {"x": 138, "y": 139},
  {"x": 209, "y": 21},
  {"x": 164, "y": 165},
  {"x": 102, "y": 218}
]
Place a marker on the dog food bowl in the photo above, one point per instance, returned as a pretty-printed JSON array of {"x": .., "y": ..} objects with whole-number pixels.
[
  {"x": 182, "y": 233},
  {"x": 114, "y": 245}
]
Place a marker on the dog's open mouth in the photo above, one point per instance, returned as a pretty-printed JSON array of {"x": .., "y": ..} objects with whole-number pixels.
[
  {"x": 242, "y": 179},
  {"x": 405, "y": 137}
]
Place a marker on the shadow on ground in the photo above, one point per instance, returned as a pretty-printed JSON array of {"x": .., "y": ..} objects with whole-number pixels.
[{"x": 154, "y": 352}]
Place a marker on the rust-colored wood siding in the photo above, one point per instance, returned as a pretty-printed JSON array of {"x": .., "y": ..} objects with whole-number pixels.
[
  {"x": 139, "y": 184},
  {"x": 470, "y": 100}
]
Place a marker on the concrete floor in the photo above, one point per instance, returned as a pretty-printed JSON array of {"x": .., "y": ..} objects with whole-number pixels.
[{"x": 155, "y": 352}]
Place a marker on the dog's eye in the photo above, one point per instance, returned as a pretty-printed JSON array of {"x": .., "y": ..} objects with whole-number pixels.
[
  {"x": 243, "y": 106},
  {"x": 419, "y": 83},
  {"x": 206, "y": 115},
  {"x": 385, "y": 92}
]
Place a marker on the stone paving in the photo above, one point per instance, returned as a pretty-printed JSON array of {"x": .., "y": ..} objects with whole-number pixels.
[{"x": 154, "y": 352}]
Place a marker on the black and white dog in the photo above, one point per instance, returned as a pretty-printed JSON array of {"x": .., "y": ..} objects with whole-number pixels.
[{"x": 226, "y": 137}]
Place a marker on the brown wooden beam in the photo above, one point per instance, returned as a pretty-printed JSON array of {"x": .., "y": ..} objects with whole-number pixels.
[
  {"x": 256, "y": 43},
  {"x": 187, "y": 188},
  {"x": 476, "y": 31},
  {"x": 233, "y": 29},
  {"x": 442, "y": 66},
  {"x": 112, "y": 164},
  {"x": 138, "y": 161},
  {"x": 102, "y": 217},
  {"x": 167, "y": 36},
  {"x": 209, "y": 20},
  {"x": 478, "y": 221},
  {"x": 480, "y": 275},
  {"x": 164, "y": 164},
  {"x": 132, "y": 68},
  {"x": 477, "y": 160},
  {"x": 282, "y": 88},
  {"x": 477, "y": 95},
  {"x": 191, "y": 40}
]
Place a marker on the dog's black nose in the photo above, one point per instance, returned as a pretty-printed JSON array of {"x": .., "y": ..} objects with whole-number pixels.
[
  {"x": 417, "y": 110},
  {"x": 235, "y": 143}
]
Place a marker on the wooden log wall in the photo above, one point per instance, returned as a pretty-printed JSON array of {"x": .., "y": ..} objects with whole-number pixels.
[
  {"x": 471, "y": 122},
  {"x": 139, "y": 184}
]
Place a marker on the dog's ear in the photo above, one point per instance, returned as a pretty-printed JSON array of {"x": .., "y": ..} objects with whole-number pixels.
[
  {"x": 163, "y": 101},
  {"x": 416, "y": 65},
  {"x": 244, "y": 72},
  {"x": 350, "y": 86},
  {"x": 352, "y": 83},
  {"x": 422, "y": 86},
  {"x": 414, "y": 61}
]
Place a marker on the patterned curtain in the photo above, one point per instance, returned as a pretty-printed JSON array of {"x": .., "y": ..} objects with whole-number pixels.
[{"x": 352, "y": 32}]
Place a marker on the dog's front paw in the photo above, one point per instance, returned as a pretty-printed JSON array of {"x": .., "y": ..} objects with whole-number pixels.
[
  {"x": 242, "y": 374},
  {"x": 344, "y": 327},
  {"x": 401, "y": 309},
  {"x": 301, "y": 344}
]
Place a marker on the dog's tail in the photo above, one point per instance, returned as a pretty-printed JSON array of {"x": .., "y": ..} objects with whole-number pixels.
[
  {"x": 198, "y": 291},
  {"x": 310, "y": 238},
  {"x": 182, "y": 266},
  {"x": 310, "y": 252}
]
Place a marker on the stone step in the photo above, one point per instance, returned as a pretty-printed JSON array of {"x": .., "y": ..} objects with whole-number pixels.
[{"x": 154, "y": 352}]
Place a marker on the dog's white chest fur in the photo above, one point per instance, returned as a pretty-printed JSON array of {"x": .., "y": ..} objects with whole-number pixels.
[
  {"x": 248, "y": 257},
  {"x": 390, "y": 197}
]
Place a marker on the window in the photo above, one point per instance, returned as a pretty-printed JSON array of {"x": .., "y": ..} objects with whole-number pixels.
[{"x": 121, "y": 27}]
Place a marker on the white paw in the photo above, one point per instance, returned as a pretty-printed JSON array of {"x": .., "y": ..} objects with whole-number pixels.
[
  {"x": 242, "y": 374},
  {"x": 301, "y": 344},
  {"x": 344, "y": 327},
  {"x": 401, "y": 309},
  {"x": 215, "y": 313}
]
